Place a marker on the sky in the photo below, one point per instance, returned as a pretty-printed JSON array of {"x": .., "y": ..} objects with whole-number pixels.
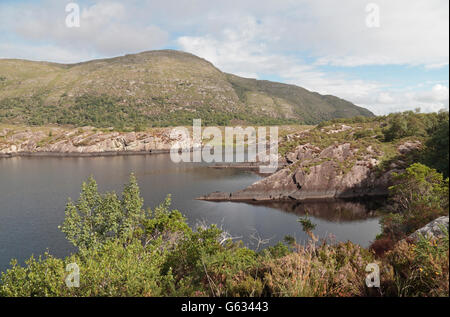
[{"x": 385, "y": 55}]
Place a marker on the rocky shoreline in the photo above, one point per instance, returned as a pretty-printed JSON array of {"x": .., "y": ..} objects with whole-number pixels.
[
  {"x": 307, "y": 172},
  {"x": 83, "y": 142},
  {"x": 342, "y": 170},
  {"x": 80, "y": 154}
]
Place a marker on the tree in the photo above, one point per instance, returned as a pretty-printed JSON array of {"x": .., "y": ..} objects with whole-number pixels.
[
  {"x": 96, "y": 218},
  {"x": 419, "y": 183},
  {"x": 406, "y": 124},
  {"x": 437, "y": 152},
  {"x": 132, "y": 214},
  {"x": 420, "y": 195}
]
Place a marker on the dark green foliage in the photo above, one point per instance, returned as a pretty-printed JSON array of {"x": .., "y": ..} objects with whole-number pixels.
[
  {"x": 277, "y": 251},
  {"x": 432, "y": 128},
  {"x": 419, "y": 196},
  {"x": 436, "y": 154},
  {"x": 363, "y": 134},
  {"x": 409, "y": 123},
  {"x": 399, "y": 125},
  {"x": 105, "y": 111},
  {"x": 31, "y": 111},
  {"x": 100, "y": 111},
  {"x": 306, "y": 223},
  {"x": 355, "y": 119},
  {"x": 405, "y": 124},
  {"x": 94, "y": 218}
]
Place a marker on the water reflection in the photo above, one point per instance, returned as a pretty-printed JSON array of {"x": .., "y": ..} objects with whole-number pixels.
[{"x": 331, "y": 210}]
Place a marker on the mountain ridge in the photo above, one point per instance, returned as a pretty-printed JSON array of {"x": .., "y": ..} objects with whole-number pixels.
[{"x": 154, "y": 88}]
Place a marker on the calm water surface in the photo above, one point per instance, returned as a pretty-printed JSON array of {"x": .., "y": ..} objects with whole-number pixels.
[{"x": 34, "y": 191}]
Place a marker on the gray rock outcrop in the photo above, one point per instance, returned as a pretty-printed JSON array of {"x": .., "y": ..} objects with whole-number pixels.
[
  {"x": 432, "y": 230},
  {"x": 85, "y": 141},
  {"x": 335, "y": 172}
]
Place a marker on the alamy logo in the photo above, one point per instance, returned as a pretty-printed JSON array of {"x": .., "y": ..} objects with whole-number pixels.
[
  {"x": 373, "y": 17},
  {"x": 73, "y": 278},
  {"x": 73, "y": 16},
  {"x": 373, "y": 279},
  {"x": 262, "y": 147}
]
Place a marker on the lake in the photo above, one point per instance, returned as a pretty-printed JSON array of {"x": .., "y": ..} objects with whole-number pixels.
[{"x": 34, "y": 191}]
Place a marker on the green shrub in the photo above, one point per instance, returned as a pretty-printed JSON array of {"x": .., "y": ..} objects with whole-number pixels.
[
  {"x": 419, "y": 184},
  {"x": 95, "y": 218},
  {"x": 437, "y": 147},
  {"x": 419, "y": 269},
  {"x": 419, "y": 195}
]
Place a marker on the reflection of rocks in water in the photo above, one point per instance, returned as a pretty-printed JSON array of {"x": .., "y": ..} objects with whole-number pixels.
[{"x": 336, "y": 211}]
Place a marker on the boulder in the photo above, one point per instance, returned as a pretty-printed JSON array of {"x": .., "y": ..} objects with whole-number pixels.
[
  {"x": 432, "y": 230},
  {"x": 409, "y": 146}
]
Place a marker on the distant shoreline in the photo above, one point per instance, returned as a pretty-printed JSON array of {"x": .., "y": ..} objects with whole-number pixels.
[{"x": 81, "y": 154}]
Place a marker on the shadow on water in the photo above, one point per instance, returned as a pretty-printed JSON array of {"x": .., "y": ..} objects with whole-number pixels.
[
  {"x": 330, "y": 210},
  {"x": 336, "y": 220}
]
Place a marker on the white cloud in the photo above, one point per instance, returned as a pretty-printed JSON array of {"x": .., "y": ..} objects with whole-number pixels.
[
  {"x": 412, "y": 32},
  {"x": 436, "y": 66},
  {"x": 42, "y": 53},
  {"x": 106, "y": 29},
  {"x": 239, "y": 51},
  {"x": 438, "y": 94},
  {"x": 432, "y": 99},
  {"x": 385, "y": 98},
  {"x": 288, "y": 40}
]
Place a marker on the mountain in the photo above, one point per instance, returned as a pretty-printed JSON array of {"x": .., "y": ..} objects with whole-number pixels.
[{"x": 155, "y": 88}]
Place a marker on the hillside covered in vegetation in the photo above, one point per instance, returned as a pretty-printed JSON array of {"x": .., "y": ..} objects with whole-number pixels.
[{"x": 156, "y": 88}]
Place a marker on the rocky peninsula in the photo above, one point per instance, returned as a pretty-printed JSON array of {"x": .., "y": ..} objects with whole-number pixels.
[{"x": 335, "y": 162}]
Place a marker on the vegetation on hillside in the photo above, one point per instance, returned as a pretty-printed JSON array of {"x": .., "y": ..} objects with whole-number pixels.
[
  {"x": 384, "y": 135},
  {"x": 154, "y": 89},
  {"x": 105, "y": 111}
]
